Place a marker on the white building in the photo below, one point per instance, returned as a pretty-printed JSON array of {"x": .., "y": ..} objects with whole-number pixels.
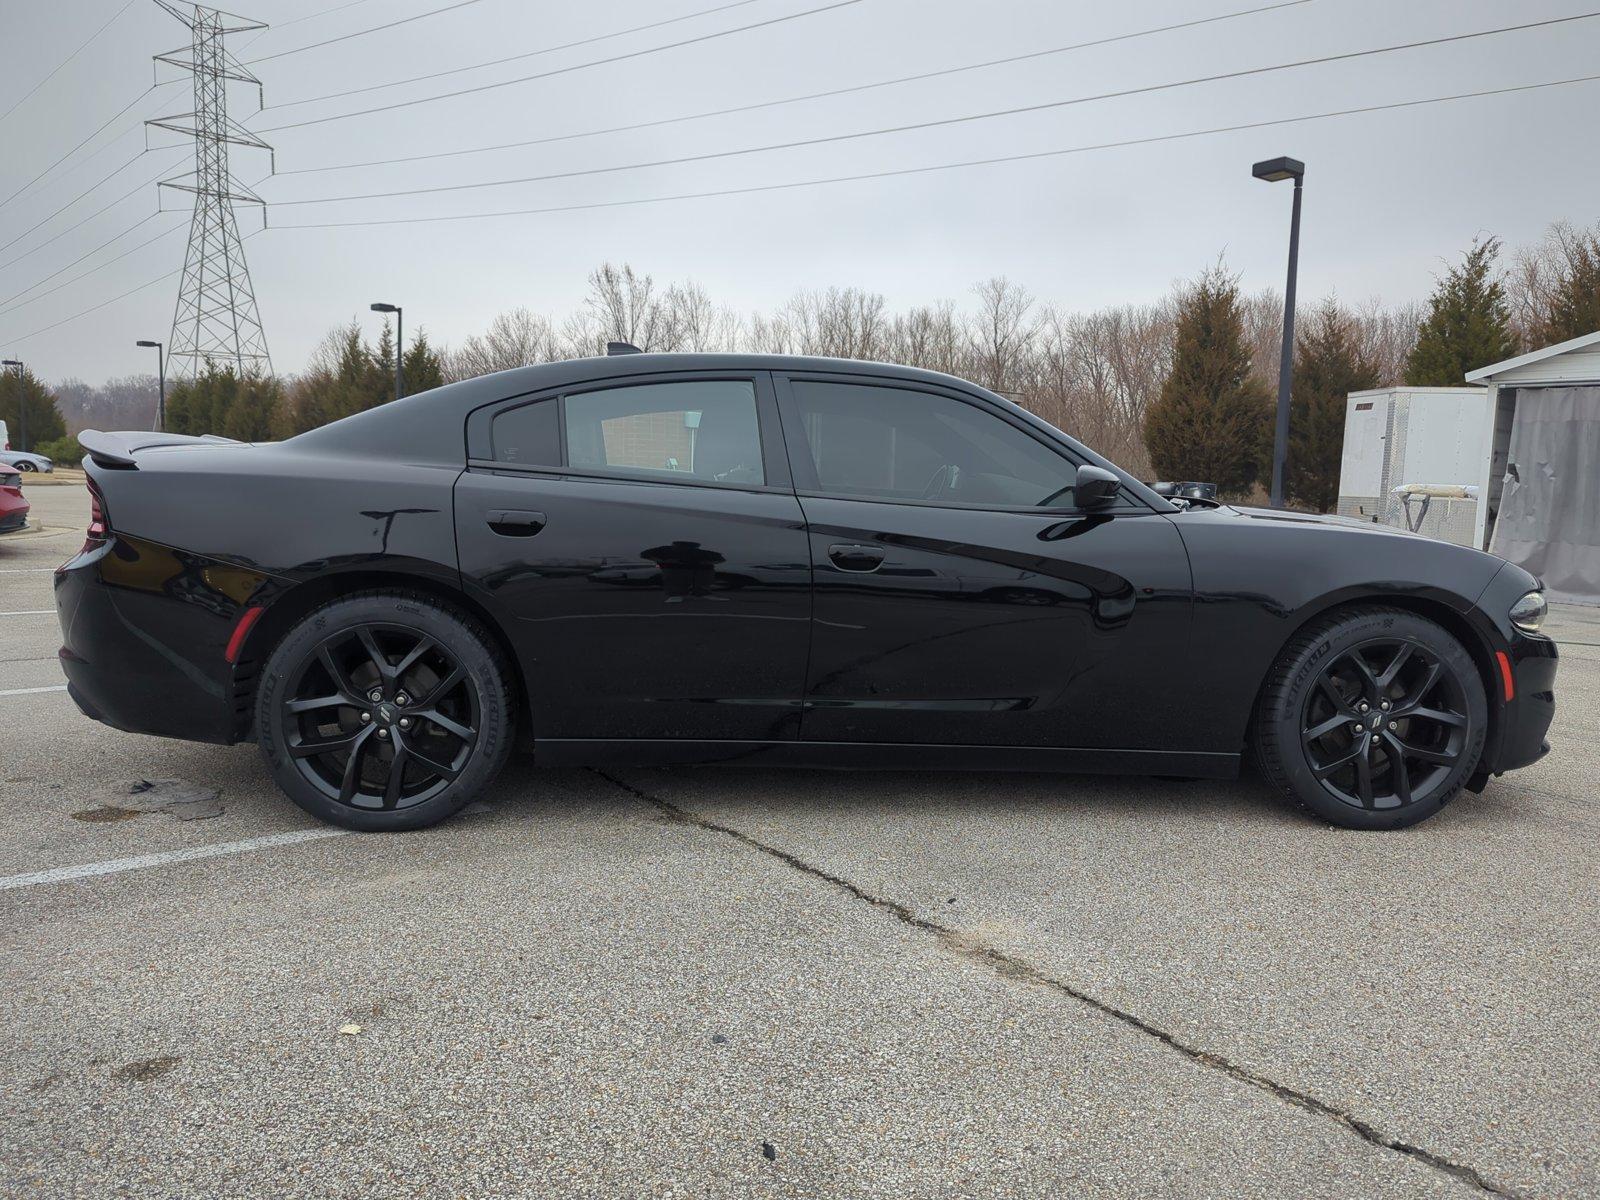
[{"x": 1540, "y": 488}]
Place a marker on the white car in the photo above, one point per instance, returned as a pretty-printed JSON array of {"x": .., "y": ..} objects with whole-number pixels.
[{"x": 23, "y": 460}]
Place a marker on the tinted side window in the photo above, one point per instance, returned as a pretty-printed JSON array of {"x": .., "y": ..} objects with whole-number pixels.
[
  {"x": 705, "y": 429},
  {"x": 530, "y": 435},
  {"x": 891, "y": 443}
]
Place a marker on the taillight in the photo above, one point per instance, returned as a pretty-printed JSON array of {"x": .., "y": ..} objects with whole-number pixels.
[{"x": 99, "y": 527}]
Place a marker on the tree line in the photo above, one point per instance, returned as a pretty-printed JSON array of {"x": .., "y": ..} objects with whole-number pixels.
[{"x": 1180, "y": 388}]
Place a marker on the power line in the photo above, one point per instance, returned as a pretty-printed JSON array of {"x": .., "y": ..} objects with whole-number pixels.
[
  {"x": 345, "y": 37},
  {"x": 82, "y": 46},
  {"x": 707, "y": 37},
  {"x": 496, "y": 62},
  {"x": 942, "y": 122},
  {"x": 83, "y": 143},
  {"x": 104, "y": 146},
  {"x": 46, "y": 219},
  {"x": 312, "y": 16},
  {"x": 97, "y": 307},
  {"x": 950, "y": 166},
  {"x": 85, "y": 220},
  {"x": 6, "y": 306},
  {"x": 843, "y": 91},
  {"x": 905, "y": 171}
]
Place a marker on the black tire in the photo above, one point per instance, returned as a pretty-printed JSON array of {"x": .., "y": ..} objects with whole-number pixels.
[
  {"x": 1397, "y": 760},
  {"x": 25, "y": 465},
  {"x": 444, "y": 710}
]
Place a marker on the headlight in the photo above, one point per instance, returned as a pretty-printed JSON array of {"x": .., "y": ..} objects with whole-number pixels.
[{"x": 1527, "y": 614}]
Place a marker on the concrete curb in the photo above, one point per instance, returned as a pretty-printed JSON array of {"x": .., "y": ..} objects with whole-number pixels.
[{"x": 31, "y": 529}]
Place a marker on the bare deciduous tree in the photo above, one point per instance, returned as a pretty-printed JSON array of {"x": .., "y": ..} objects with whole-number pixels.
[
  {"x": 1000, "y": 332},
  {"x": 694, "y": 324},
  {"x": 624, "y": 305},
  {"x": 519, "y": 338},
  {"x": 1384, "y": 337}
]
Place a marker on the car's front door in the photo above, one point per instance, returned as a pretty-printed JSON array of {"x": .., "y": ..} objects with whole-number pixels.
[
  {"x": 960, "y": 597},
  {"x": 642, "y": 544}
]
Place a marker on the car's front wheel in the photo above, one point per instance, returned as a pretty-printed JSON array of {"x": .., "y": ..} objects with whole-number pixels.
[
  {"x": 1372, "y": 718},
  {"x": 25, "y": 465},
  {"x": 384, "y": 711}
]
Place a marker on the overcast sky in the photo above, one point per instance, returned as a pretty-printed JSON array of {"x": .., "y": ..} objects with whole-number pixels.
[{"x": 1389, "y": 195}]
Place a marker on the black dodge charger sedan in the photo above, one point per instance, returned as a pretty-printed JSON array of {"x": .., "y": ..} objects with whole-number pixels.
[{"x": 694, "y": 558}]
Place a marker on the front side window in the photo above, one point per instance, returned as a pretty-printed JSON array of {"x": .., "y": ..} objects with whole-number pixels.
[
  {"x": 704, "y": 429},
  {"x": 890, "y": 443}
]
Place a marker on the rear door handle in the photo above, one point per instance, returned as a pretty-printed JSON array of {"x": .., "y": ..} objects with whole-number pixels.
[
  {"x": 850, "y": 556},
  {"x": 510, "y": 522}
]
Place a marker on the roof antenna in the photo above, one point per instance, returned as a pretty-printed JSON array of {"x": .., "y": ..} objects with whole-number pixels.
[{"x": 615, "y": 348}]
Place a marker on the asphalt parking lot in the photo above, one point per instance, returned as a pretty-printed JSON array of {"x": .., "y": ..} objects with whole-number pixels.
[{"x": 720, "y": 982}]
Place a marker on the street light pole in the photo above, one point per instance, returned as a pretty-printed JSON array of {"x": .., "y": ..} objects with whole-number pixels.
[
  {"x": 161, "y": 376},
  {"x": 22, "y": 403},
  {"x": 399, "y": 346},
  {"x": 1276, "y": 170}
]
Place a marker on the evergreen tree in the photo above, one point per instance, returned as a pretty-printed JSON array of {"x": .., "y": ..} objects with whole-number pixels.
[
  {"x": 380, "y": 375},
  {"x": 201, "y": 405},
  {"x": 358, "y": 383},
  {"x": 1212, "y": 421},
  {"x": 1329, "y": 364},
  {"x": 423, "y": 370},
  {"x": 1468, "y": 323},
  {"x": 1575, "y": 304},
  {"x": 252, "y": 415},
  {"x": 24, "y": 388},
  {"x": 180, "y": 406}
]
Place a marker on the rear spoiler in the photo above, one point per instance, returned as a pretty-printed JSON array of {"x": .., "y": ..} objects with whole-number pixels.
[{"x": 117, "y": 450}]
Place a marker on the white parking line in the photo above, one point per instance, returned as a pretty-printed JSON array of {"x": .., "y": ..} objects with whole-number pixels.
[
  {"x": 28, "y": 612},
  {"x": 54, "y": 687},
  {"x": 113, "y": 866}
]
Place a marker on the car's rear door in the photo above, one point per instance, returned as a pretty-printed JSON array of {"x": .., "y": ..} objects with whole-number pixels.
[
  {"x": 960, "y": 598},
  {"x": 641, "y": 542}
]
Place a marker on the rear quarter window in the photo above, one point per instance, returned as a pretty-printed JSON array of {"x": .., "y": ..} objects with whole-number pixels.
[{"x": 529, "y": 435}]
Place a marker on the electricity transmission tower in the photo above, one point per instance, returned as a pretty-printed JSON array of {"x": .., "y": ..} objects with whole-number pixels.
[{"x": 215, "y": 320}]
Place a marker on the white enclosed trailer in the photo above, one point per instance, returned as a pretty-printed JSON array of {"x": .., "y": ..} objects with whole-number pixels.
[{"x": 1428, "y": 440}]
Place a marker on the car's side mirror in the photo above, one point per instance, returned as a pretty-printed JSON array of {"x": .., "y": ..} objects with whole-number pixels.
[{"x": 1095, "y": 487}]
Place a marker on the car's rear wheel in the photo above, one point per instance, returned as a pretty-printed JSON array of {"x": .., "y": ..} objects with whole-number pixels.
[
  {"x": 1372, "y": 718},
  {"x": 384, "y": 711}
]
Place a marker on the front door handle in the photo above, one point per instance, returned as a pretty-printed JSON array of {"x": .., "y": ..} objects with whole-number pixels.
[
  {"x": 510, "y": 522},
  {"x": 850, "y": 556}
]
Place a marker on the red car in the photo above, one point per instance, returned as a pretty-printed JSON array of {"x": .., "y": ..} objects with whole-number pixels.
[{"x": 13, "y": 508}]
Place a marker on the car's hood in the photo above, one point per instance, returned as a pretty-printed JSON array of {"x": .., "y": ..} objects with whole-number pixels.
[{"x": 1300, "y": 518}]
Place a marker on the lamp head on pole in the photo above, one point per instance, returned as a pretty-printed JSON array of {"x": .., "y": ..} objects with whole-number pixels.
[
  {"x": 144, "y": 345},
  {"x": 11, "y": 362},
  {"x": 385, "y": 308},
  {"x": 1276, "y": 170}
]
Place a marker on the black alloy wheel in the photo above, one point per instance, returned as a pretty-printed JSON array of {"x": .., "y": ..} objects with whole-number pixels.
[
  {"x": 384, "y": 711},
  {"x": 381, "y": 716},
  {"x": 1385, "y": 725},
  {"x": 1371, "y": 718}
]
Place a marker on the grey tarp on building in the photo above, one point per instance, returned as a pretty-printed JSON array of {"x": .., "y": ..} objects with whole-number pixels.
[{"x": 1549, "y": 519}]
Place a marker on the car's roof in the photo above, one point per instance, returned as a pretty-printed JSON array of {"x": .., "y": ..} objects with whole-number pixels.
[
  {"x": 429, "y": 429},
  {"x": 436, "y": 417}
]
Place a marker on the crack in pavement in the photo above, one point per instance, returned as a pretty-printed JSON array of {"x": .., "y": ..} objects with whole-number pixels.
[{"x": 1009, "y": 966}]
